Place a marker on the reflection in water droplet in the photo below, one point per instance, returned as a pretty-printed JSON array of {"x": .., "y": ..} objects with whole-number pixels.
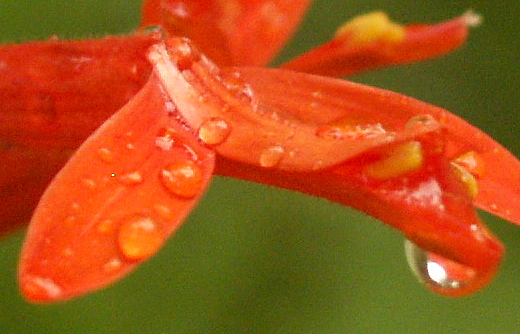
[
  {"x": 214, "y": 131},
  {"x": 139, "y": 237},
  {"x": 438, "y": 273},
  {"x": 37, "y": 287},
  {"x": 105, "y": 155},
  {"x": 271, "y": 156},
  {"x": 183, "y": 179}
]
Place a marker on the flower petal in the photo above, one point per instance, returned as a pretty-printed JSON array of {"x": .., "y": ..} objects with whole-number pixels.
[
  {"x": 372, "y": 41},
  {"x": 232, "y": 32},
  {"x": 53, "y": 95},
  {"x": 429, "y": 206},
  {"x": 113, "y": 205},
  {"x": 282, "y": 118}
]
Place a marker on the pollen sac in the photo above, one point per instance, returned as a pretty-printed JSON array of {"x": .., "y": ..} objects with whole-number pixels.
[
  {"x": 467, "y": 179},
  {"x": 472, "y": 162},
  {"x": 369, "y": 28},
  {"x": 403, "y": 159},
  {"x": 182, "y": 179}
]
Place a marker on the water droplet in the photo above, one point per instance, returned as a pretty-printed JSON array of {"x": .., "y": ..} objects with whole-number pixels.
[
  {"x": 68, "y": 252},
  {"x": 233, "y": 82},
  {"x": 214, "y": 131},
  {"x": 139, "y": 237},
  {"x": 171, "y": 108},
  {"x": 88, "y": 183},
  {"x": 183, "y": 179},
  {"x": 39, "y": 288},
  {"x": 131, "y": 178},
  {"x": 105, "y": 155},
  {"x": 105, "y": 226},
  {"x": 350, "y": 132},
  {"x": 163, "y": 211},
  {"x": 112, "y": 265},
  {"x": 183, "y": 53},
  {"x": 272, "y": 156},
  {"x": 130, "y": 146},
  {"x": 440, "y": 274},
  {"x": 420, "y": 121}
]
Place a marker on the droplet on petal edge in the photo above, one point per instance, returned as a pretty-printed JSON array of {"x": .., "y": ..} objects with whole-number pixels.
[
  {"x": 272, "y": 156},
  {"x": 214, "y": 131},
  {"x": 182, "y": 179},
  {"x": 34, "y": 287},
  {"x": 440, "y": 274},
  {"x": 139, "y": 237}
]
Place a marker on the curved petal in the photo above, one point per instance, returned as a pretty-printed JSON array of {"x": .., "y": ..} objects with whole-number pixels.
[
  {"x": 298, "y": 120},
  {"x": 112, "y": 206},
  {"x": 54, "y": 94},
  {"x": 428, "y": 206},
  {"x": 372, "y": 41},
  {"x": 280, "y": 118},
  {"x": 236, "y": 32}
]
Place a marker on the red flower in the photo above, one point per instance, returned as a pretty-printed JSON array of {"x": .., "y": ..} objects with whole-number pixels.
[{"x": 132, "y": 182}]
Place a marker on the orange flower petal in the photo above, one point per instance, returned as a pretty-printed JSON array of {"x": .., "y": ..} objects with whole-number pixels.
[
  {"x": 232, "y": 32},
  {"x": 111, "y": 206},
  {"x": 280, "y": 118},
  {"x": 54, "y": 94},
  {"x": 372, "y": 41}
]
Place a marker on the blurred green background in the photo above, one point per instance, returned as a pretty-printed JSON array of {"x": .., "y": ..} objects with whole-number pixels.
[{"x": 252, "y": 259}]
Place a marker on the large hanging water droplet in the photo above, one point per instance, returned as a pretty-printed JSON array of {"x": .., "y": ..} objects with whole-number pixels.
[
  {"x": 139, "y": 237},
  {"x": 183, "y": 179},
  {"x": 439, "y": 273},
  {"x": 272, "y": 156},
  {"x": 214, "y": 131}
]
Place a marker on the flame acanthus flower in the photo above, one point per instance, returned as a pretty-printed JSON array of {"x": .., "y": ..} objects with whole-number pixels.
[{"x": 173, "y": 106}]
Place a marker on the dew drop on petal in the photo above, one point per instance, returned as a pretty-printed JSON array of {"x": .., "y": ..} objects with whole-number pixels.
[
  {"x": 105, "y": 155},
  {"x": 88, "y": 183},
  {"x": 163, "y": 211},
  {"x": 131, "y": 178},
  {"x": 139, "y": 237},
  {"x": 420, "y": 121},
  {"x": 112, "y": 265},
  {"x": 182, "y": 179},
  {"x": 105, "y": 226},
  {"x": 214, "y": 131},
  {"x": 38, "y": 287},
  {"x": 438, "y": 273},
  {"x": 272, "y": 156}
]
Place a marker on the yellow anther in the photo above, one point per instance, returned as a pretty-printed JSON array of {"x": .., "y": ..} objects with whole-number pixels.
[
  {"x": 467, "y": 178},
  {"x": 472, "y": 162},
  {"x": 371, "y": 27},
  {"x": 404, "y": 158}
]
